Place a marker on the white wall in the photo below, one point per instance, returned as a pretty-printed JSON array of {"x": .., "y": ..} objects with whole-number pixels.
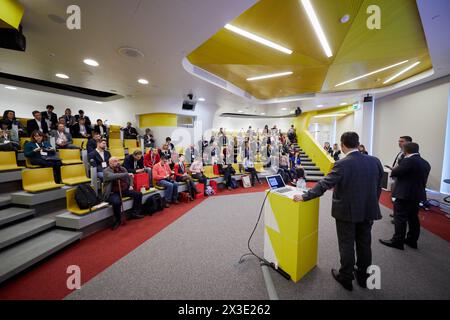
[
  {"x": 420, "y": 112},
  {"x": 344, "y": 124},
  {"x": 236, "y": 124}
]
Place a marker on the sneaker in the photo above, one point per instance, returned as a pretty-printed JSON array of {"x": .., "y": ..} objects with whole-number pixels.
[{"x": 115, "y": 225}]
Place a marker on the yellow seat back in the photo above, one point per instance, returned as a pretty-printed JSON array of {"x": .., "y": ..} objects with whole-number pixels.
[
  {"x": 8, "y": 159},
  {"x": 118, "y": 153},
  {"x": 72, "y": 205},
  {"x": 115, "y": 143},
  {"x": 114, "y": 128},
  {"x": 22, "y": 142},
  {"x": 37, "y": 177},
  {"x": 259, "y": 166},
  {"x": 235, "y": 167},
  {"x": 130, "y": 143},
  {"x": 179, "y": 150},
  {"x": 23, "y": 122},
  {"x": 29, "y": 165},
  {"x": 73, "y": 171},
  {"x": 209, "y": 171},
  {"x": 79, "y": 141},
  {"x": 70, "y": 154}
]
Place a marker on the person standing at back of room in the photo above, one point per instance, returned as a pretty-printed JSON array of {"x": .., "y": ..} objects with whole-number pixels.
[
  {"x": 356, "y": 180},
  {"x": 412, "y": 175}
]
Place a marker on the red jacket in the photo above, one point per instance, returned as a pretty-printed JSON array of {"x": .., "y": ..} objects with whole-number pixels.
[
  {"x": 150, "y": 159},
  {"x": 160, "y": 172}
]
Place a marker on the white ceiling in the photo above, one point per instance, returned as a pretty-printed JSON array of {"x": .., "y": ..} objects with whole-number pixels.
[{"x": 165, "y": 31}]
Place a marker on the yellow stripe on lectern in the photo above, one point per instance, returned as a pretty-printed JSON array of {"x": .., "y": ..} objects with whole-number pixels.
[
  {"x": 158, "y": 120},
  {"x": 11, "y": 14}
]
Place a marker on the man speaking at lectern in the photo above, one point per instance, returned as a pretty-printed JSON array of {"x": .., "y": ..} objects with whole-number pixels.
[{"x": 356, "y": 180}]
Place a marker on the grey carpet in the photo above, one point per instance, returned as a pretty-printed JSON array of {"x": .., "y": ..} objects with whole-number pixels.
[{"x": 196, "y": 258}]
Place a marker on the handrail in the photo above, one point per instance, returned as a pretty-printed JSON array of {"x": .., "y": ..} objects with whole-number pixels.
[{"x": 318, "y": 155}]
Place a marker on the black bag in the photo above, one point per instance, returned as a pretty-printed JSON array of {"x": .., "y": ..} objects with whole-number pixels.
[
  {"x": 85, "y": 197},
  {"x": 153, "y": 204},
  {"x": 233, "y": 184}
]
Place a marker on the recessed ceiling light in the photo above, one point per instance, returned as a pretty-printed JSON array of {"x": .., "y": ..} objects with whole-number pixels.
[
  {"x": 371, "y": 73},
  {"x": 10, "y": 88},
  {"x": 263, "y": 114},
  {"x": 91, "y": 62},
  {"x": 284, "y": 109},
  {"x": 401, "y": 72},
  {"x": 62, "y": 76},
  {"x": 240, "y": 111},
  {"x": 273, "y": 75},
  {"x": 320, "y": 106},
  {"x": 201, "y": 99},
  {"x": 258, "y": 39},
  {"x": 143, "y": 81},
  {"x": 98, "y": 102},
  {"x": 317, "y": 27},
  {"x": 345, "y": 18},
  {"x": 344, "y": 103},
  {"x": 292, "y": 112}
]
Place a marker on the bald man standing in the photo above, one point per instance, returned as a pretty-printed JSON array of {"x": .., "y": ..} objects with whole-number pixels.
[{"x": 118, "y": 181}]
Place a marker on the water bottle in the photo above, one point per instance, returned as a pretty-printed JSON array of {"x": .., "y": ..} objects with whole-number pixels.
[{"x": 301, "y": 184}]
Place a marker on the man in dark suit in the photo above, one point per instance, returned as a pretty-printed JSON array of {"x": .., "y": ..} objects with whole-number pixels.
[
  {"x": 100, "y": 157},
  {"x": 356, "y": 180},
  {"x": 81, "y": 129},
  {"x": 101, "y": 128},
  {"x": 412, "y": 175},
  {"x": 81, "y": 115},
  {"x": 50, "y": 117},
  {"x": 129, "y": 132},
  {"x": 37, "y": 124}
]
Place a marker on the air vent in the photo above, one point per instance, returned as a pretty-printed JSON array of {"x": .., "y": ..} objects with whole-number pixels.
[
  {"x": 130, "y": 52},
  {"x": 210, "y": 77}
]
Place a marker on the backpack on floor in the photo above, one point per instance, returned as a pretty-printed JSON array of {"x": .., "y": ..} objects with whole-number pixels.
[
  {"x": 85, "y": 197},
  {"x": 153, "y": 203},
  {"x": 209, "y": 191}
]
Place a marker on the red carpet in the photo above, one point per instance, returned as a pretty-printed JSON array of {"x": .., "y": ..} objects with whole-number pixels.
[
  {"x": 434, "y": 220},
  {"x": 94, "y": 254}
]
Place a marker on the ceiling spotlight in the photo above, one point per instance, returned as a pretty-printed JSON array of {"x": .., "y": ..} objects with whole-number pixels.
[
  {"x": 263, "y": 114},
  {"x": 240, "y": 111},
  {"x": 345, "y": 18},
  {"x": 143, "y": 81},
  {"x": 201, "y": 99},
  {"x": 10, "y": 88},
  {"x": 98, "y": 102},
  {"x": 344, "y": 103},
  {"x": 62, "y": 76},
  {"x": 284, "y": 109},
  {"x": 320, "y": 106},
  {"x": 91, "y": 62}
]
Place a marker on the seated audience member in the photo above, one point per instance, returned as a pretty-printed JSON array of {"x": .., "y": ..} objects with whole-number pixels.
[
  {"x": 69, "y": 118},
  {"x": 41, "y": 153},
  {"x": 196, "y": 170},
  {"x": 129, "y": 132},
  {"x": 81, "y": 129},
  {"x": 61, "y": 120},
  {"x": 283, "y": 169},
  {"x": 63, "y": 140},
  {"x": 50, "y": 117},
  {"x": 9, "y": 139},
  {"x": 250, "y": 168},
  {"x": 190, "y": 154},
  {"x": 118, "y": 184},
  {"x": 92, "y": 143},
  {"x": 181, "y": 175},
  {"x": 170, "y": 146},
  {"x": 81, "y": 115},
  {"x": 336, "y": 153},
  {"x": 37, "y": 124},
  {"x": 149, "y": 141},
  {"x": 152, "y": 157},
  {"x": 9, "y": 116},
  {"x": 100, "y": 157},
  {"x": 164, "y": 178},
  {"x": 291, "y": 134},
  {"x": 227, "y": 171},
  {"x": 100, "y": 128},
  {"x": 134, "y": 163},
  {"x": 362, "y": 149},
  {"x": 297, "y": 172},
  {"x": 165, "y": 152}
]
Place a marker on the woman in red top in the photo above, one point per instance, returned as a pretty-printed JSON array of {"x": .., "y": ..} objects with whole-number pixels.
[
  {"x": 182, "y": 176},
  {"x": 152, "y": 157}
]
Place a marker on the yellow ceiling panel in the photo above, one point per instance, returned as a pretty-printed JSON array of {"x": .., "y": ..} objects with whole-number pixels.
[{"x": 356, "y": 49}]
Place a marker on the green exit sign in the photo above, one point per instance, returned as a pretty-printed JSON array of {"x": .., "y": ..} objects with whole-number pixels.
[{"x": 356, "y": 106}]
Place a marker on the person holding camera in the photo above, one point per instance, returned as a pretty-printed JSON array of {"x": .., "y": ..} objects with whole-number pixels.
[
  {"x": 41, "y": 153},
  {"x": 164, "y": 177}
]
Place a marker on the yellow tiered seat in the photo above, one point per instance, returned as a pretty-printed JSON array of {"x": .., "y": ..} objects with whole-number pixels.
[
  {"x": 8, "y": 161},
  {"x": 72, "y": 205},
  {"x": 114, "y": 135},
  {"x": 179, "y": 150},
  {"x": 118, "y": 153},
  {"x": 130, "y": 143},
  {"x": 115, "y": 143},
  {"x": 236, "y": 168},
  {"x": 37, "y": 180},
  {"x": 70, "y": 156},
  {"x": 259, "y": 166},
  {"x": 74, "y": 174},
  {"x": 209, "y": 172},
  {"x": 22, "y": 142},
  {"x": 29, "y": 165},
  {"x": 80, "y": 142}
]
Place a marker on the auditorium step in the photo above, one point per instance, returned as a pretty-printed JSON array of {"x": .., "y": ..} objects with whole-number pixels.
[
  {"x": 313, "y": 173},
  {"x": 25, "y": 254},
  {"x": 311, "y": 168},
  {"x": 5, "y": 200},
  {"x": 23, "y": 230},
  {"x": 313, "y": 178},
  {"x": 12, "y": 214}
]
